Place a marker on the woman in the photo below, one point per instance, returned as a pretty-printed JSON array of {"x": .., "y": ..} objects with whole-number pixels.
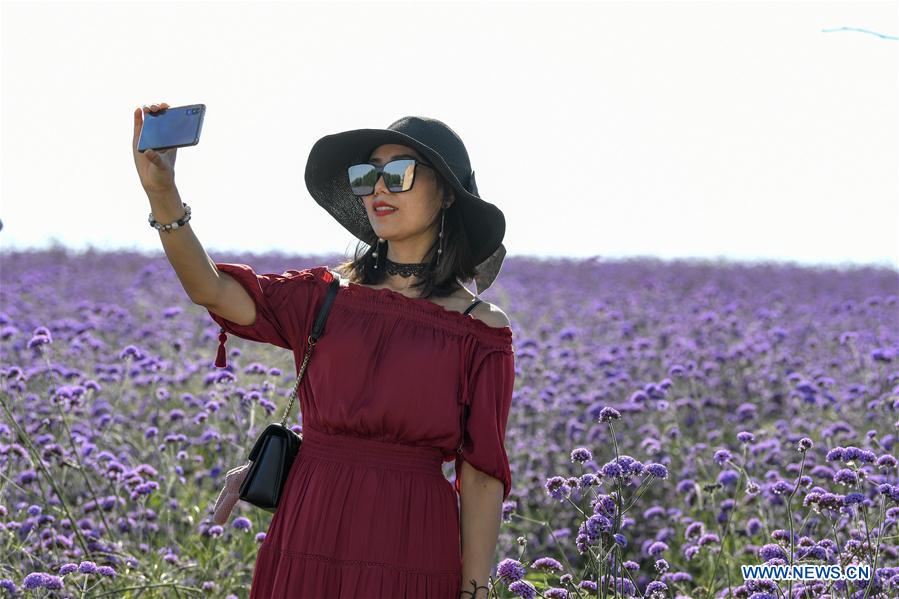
[{"x": 411, "y": 371}]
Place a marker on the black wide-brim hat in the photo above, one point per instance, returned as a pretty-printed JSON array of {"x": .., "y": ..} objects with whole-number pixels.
[{"x": 328, "y": 182}]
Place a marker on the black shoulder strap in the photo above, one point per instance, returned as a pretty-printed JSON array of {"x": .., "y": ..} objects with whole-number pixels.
[
  {"x": 326, "y": 306},
  {"x": 476, "y": 301}
]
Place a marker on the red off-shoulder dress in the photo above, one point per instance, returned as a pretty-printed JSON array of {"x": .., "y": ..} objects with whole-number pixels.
[{"x": 367, "y": 511}]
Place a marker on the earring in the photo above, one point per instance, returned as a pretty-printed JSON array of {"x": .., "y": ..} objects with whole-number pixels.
[
  {"x": 374, "y": 254},
  {"x": 440, "y": 235}
]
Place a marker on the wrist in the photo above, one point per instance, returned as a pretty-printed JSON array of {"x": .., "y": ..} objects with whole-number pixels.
[
  {"x": 166, "y": 205},
  {"x": 176, "y": 224},
  {"x": 472, "y": 590},
  {"x": 165, "y": 200}
]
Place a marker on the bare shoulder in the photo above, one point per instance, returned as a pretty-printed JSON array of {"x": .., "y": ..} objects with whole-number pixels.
[{"x": 491, "y": 315}]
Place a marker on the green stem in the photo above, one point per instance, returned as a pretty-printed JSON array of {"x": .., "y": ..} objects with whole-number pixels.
[
  {"x": 877, "y": 549},
  {"x": 556, "y": 542},
  {"x": 40, "y": 462},
  {"x": 84, "y": 475},
  {"x": 174, "y": 585},
  {"x": 724, "y": 535},
  {"x": 790, "y": 520}
]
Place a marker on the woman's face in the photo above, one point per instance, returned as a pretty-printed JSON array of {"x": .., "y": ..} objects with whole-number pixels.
[{"x": 415, "y": 208}]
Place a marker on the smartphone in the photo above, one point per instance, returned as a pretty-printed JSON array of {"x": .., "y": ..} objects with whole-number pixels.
[{"x": 172, "y": 127}]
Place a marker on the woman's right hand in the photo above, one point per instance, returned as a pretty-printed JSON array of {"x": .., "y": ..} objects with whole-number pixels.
[{"x": 155, "y": 169}]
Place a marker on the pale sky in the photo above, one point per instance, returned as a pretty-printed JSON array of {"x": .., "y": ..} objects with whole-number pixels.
[{"x": 740, "y": 130}]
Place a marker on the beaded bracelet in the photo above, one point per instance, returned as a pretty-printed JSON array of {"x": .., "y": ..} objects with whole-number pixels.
[
  {"x": 174, "y": 225},
  {"x": 475, "y": 592}
]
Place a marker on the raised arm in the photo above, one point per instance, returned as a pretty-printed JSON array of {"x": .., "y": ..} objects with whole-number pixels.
[
  {"x": 204, "y": 283},
  {"x": 201, "y": 280}
]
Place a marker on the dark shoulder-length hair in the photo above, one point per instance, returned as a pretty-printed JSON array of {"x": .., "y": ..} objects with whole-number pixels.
[{"x": 456, "y": 261}]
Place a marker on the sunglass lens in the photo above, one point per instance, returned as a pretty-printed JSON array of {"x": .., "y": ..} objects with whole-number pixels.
[
  {"x": 398, "y": 175},
  {"x": 362, "y": 179}
]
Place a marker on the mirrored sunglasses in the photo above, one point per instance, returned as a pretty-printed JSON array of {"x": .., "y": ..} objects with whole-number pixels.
[{"x": 398, "y": 175}]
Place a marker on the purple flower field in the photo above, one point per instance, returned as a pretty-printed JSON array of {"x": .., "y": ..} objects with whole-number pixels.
[{"x": 672, "y": 422}]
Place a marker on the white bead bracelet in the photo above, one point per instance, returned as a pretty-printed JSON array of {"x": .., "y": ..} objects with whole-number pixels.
[{"x": 174, "y": 225}]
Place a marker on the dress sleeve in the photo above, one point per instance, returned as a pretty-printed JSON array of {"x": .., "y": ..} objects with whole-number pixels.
[
  {"x": 282, "y": 301},
  {"x": 489, "y": 391}
]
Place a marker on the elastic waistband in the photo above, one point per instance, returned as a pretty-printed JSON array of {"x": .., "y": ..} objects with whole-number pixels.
[{"x": 371, "y": 453}]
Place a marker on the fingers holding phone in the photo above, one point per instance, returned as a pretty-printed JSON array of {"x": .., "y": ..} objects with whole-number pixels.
[{"x": 156, "y": 168}]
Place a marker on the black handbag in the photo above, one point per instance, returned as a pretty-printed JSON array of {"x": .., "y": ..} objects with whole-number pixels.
[{"x": 276, "y": 448}]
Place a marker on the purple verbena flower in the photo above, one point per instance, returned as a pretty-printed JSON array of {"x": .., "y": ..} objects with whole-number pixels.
[
  {"x": 510, "y": 570},
  {"x": 607, "y": 414}
]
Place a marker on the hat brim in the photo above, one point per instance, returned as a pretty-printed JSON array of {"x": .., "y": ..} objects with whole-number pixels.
[{"x": 328, "y": 183}]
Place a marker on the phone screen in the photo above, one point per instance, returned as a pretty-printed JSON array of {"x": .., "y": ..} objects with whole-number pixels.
[{"x": 173, "y": 127}]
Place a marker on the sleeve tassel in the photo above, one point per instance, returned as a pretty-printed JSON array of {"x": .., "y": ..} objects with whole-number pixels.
[{"x": 220, "y": 361}]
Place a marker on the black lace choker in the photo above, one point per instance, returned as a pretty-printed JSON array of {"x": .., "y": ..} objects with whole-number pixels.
[{"x": 405, "y": 270}]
